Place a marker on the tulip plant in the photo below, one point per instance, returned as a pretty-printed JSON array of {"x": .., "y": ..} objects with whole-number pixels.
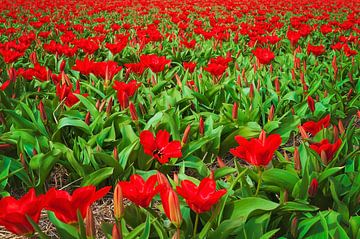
[{"x": 187, "y": 119}]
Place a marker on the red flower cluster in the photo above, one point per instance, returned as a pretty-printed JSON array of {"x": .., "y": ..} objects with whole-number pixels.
[
  {"x": 65, "y": 206},
  {"x": 159, "y": 147},
  {"x": 65, "y": 92},
  {"x": 257, "y": 152},
  {"x": 264, "y": 55},
  {"x": 125, "y": 91},
  {"x": 313, "y": 127},
  {"x": 217, "y": 66},
  {"x": 105, "y": 70},
  {"x": 325, "y": 149}
]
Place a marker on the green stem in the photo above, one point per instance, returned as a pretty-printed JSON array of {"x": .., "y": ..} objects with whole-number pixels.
[
  {"x": 259, "y": 182},
  {"x": 196, "y": 225}
]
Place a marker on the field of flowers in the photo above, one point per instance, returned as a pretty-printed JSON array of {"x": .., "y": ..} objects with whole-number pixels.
[{"x": 180, "y": 119}]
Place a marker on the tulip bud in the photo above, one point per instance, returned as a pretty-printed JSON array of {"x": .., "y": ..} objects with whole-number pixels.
[
  {"x": 235, "y": 111},
  {"x": 116, "y": 233},
  {"x": 22, "y": 160},
  {"x": 133, "y": 112},
  {"x": 351, "y": 77},
  {"x": 109, "y": 106},
  {"x": 115, "y": 153},
  {"x": 42, "y": 111},
  {"x": 323, "y": 156},
  {"x": 201, "y": 126},
  {"x": 186, "y": 134},
  {"x": 174, "y": 208},
  {"x": 334, "y": 65},
  {"x": 12, "y": 74},
  {"x": 178, "y": 80},
  {"x": 176, "y": 179},
  {"x": 311, "y": 103},
  {"x": 293, "y": 76},
  {"x": 313, "y": 188},
  {"x": 62, "y": 65},
  {"x": 286, "y": 156},
  {"x": 277, "y": 85},
  {"x": 336, "y": 133},
  {"x": 162, "y": 180},
  {"x": 303, "y": 133},
  {"x": 341, "y": 127},
  {"x": 220, "y": 162},
  {"x": 293, "y": 228},
  {"x": 251, "y": 92},
  {"x": 297, "y": 159},
  {"x": 87, "y": 118},
  {"x": 271, "y": 113},
  {"x": 97, "y": 105},
  {"x": 349, "y": 94},
  {"x": 102, "y": 105},
  {"x": 118, "y": 203},
  {"x": 262, "y": 136},
  {"x": 33, "y": 58},
  {"x": 34, "y": 152},
  {"x": 90, "y": 224}
]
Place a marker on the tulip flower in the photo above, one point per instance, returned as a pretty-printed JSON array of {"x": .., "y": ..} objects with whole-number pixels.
[
  {"x": 326, "y": 150},
  {"x": 311, "y": 103},
  {"x": 159, "y": 147},
  {"x": 257, "y": 152},
  {"x": 125, "y": 91},
  {"x": 313, "y": 127},
  {"x": 13, "y": 212},
  {"x": 265, "y": 56},
  {"x": 66, "y": 206},
  {"x": 139, "y": 191},
  {"x": 200, "y": 198}
]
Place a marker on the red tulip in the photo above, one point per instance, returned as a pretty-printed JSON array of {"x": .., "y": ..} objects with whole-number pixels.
[
  {"x": 160, "y": 147},
  {"x": 316, "y": 50},
  {"x": 65, "y": 92},
  {"x": 65, "y": 206},
  {"x": 257, "y": 152},
  {"x": 139, "y": 191},
  {"x": 13, "y": 212},
  {"x": 325, "y": 149},
  {"x": 314, "y": 127},
  {"x": 200, "y": 198},
  {"x": 190, "y": 66},
  {"x": 265, "y": 56},
  {"x": 125, "y": 91}
]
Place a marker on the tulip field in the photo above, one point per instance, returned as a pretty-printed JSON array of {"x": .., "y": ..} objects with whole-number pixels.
[{"x": 174, "y": 119}]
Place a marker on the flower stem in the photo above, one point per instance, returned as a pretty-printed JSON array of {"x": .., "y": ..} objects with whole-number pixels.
[
  {"x": 196, "y": 225},
  {"x": 259, "y": 181}
]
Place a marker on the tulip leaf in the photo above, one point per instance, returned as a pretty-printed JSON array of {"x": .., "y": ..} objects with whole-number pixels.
[
  {"x": 95, "y": 178},
  {"x": 146, "y": 232},
  {"x": 222, "y": 172},
  {"x": 283, "y": 178},
  {"x": 242, "y": 208},
  {"x": 88, "y": 105},
  {"x": 36, "y": 227},
  {"x": 66, "y": 121},
  {"x": 297, "y": 206},
  {"x": 329, "y": 172}
]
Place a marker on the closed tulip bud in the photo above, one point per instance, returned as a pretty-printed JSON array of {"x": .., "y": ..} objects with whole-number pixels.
[
  {"x": 292, "y": 111},
  {"x": 251, "y": 92},
  {"x": 258, "y": 85},
  {"x": 102, "y": 105},
  {"x": 303, "y": 133},
  {"x": 118, "y": 203},
  {"x": 297, "y": 161},
  {"x": 62, "y": 65},
  {"x": 90, "y": 224},
  {"x": 176, "y": 179},
  {"x": 271, "y": 113},
  {"x": 42, "y": 111},
  {"x": 304, "y": 64},
  {"x": 351, "y": 77},
  {"x": 311, "y": 103},
  {"x": 97, "y": 105},
  {"x": 220, "y": 162},
  {"x": 109, "y": 106},
  {"x": 235, "y": 111},
  {"x": 133, "y": 112},
  {"x": 33, "y": 58},
  {"x": 286, "y": 156},
  {"x": 293, "y": 228},
  {"x": 12, "y": 74},
  {"x": 162, "y": 180},
  {"x": 341, "y": 127},
  {"x": 178, "y": 80},
  {"x": 325, "y": 93},
  {"x": 115, "y": 153},
  {"x": 277, "y": 85},
  {"x": 313, "y": 188},
  {"x": 34, "y": 152},
  {"x": 293, "y": 76},
  {"x": 174, "y": 208},
  {"x": 115, "y": 233},
  {"x": 323, "y": 156},
  {"x": 186, "y": 134},
  {"x": 87, "y": 118},
  {"x": 349, "y": 94},
  {"x": 201, "y": 126},
  {"x": 22, "y": 160},
  {"x": 271, "y": 69}
]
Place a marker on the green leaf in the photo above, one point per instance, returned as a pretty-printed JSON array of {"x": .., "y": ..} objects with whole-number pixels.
[
  {"x": 146, "y": 232},
  {"x": 97, "y": 177},
  {"x": 66, "y": 121},
  {"x": 88, "y": 105},
  {"x": 279, "y": 177},
  {"x": 242, "y": 208}
]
